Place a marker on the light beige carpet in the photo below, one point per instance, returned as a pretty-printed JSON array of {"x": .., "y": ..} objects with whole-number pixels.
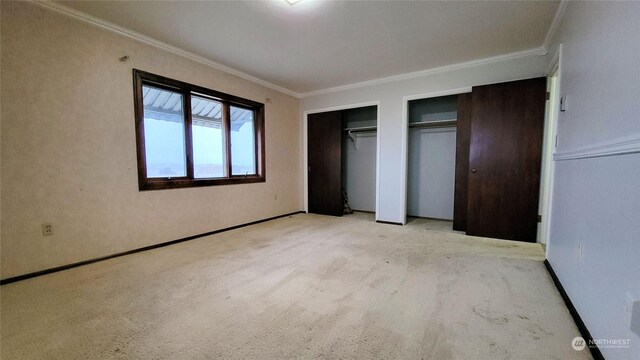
[{"x": 307, "y": 286}]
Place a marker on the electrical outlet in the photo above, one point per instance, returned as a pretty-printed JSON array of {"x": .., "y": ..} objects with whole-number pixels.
[
  {"x": 635, "y": 317},
  {"x": 628, "y": 303},
  {"x": 563, "y": 103},
  {"x": 579, "y": 251},
  {"x": 632, "y": 308},
  {"x": 47, "y": 229}
]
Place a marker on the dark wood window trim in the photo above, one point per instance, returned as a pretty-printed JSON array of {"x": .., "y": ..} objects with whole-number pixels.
[{"x": 141, "y": 78}]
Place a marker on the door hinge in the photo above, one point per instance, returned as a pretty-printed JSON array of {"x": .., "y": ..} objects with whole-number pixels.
[
  {"x": 548, "y": 95},
  {"x": 539, "y": 218}
]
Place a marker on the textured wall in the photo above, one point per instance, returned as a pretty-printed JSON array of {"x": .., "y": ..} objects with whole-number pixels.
[{"x": 69, "y": 152}]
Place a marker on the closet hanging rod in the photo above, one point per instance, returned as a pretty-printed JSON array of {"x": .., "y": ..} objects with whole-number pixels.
[
  {"x": 361, "y": 129},
  {"x": 351, "y": 131},
  {"x": 434, "y": 124}
]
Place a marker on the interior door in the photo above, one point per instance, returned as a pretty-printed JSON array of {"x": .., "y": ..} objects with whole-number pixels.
[
  {"x": 505, "y": 158},
  {"x": 325, "y": 163},
  {"x": 463, "y": 136}
]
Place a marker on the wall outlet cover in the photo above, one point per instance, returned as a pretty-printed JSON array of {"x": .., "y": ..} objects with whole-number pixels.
[
  {"x": 635, "y": 317},
  {"x": 563, "y": 103},
  {"x": 47, "y": 229}
]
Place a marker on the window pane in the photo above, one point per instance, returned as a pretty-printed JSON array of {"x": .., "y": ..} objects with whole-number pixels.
[
  {"x": 208, "y": 138},
  {"x": 243, "y": 150},
  {"x": 164, "y": 133}
]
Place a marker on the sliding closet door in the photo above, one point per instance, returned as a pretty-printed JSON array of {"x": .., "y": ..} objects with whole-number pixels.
[
  {"x": 463, "y": 136},
  {"x": 505, "y": 155},
  {"x": 325, "y": 163}
]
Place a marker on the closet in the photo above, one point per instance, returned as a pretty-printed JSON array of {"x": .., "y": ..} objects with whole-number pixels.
[
  {"x": 432, "y": 157},
  {"x": 475, "y": 158},
  {"x": 341, "y": 153}
]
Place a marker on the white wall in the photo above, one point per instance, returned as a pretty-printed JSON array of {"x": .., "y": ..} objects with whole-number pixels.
[
  {"x": 69, "y": 147},
  {"x": 594, "y": 243},
  {"x": 432, "y": 168},
  {"x": 393, "y": 135}
]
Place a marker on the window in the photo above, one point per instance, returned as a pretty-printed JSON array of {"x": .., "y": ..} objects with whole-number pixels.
[{"x": 191, "y": 136}]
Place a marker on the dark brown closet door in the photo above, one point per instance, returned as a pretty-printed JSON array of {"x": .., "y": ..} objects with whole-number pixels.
[
  {"x": 505, "y": 155},
  {"x": 325, "y": 163},
  {"x": 463, "y": 136}
]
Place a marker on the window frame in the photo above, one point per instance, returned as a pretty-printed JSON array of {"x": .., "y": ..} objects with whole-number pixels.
[{"x": 141, "y": 78}]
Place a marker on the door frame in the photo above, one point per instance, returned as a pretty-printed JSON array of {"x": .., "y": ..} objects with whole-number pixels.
[
  {"x": 305, "y": 145},
  {"x": 404, "y": 141},
  {"x": 550, "y": 132}
]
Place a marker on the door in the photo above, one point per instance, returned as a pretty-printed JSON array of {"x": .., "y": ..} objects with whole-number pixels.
[
  {"x": 505, "y": 158},
  {"x": 324, "y": 139},
  {"x": 463, "y": 135}
]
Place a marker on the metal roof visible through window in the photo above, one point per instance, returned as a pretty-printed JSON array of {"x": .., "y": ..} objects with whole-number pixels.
[{"x": 166, "y": 105}]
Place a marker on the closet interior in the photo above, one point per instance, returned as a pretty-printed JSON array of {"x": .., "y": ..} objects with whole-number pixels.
[
  {"x": 359, "y": 145},
  {"x": 342, "y": 150},
  {"x": 432, "y": 157}
]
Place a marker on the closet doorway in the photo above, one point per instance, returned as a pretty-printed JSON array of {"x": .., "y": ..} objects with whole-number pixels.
[
  {"x": 342, "y": 161},
  {"x": 432, "y": 157},
  {"x": 475, "y": 158}
]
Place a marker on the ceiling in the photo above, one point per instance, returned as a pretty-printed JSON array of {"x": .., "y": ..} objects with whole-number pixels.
[{"x": 317, "y": 44}]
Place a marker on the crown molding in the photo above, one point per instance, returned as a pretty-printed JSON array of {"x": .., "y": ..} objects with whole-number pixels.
[
  {"x": 78, "y": 15},
  {"x": 629, "y": 144},
  {"x": 539, "y": 51},
  {"x": 555, "y": 23}
]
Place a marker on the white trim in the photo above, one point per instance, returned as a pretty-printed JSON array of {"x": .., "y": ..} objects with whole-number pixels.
[
  {"x": 555, "y": 23},
  {"x": 539, "y": 51},
  {"x": 78, "y": 15},
  {"x": 305, "y": 158},
  {"x": 555, "y": 62},
  {"x": 404, "y": 142},
  {"x": 305, "y": 164},
  {"x": 379, "y": 135},
  {"x": 629, "y": 144},
  {"x": 550, "y": 133},
  {"x": 65, "y": 10}
]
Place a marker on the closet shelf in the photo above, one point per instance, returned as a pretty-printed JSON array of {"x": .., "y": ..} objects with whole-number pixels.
[{"x": 434, "y": 124}]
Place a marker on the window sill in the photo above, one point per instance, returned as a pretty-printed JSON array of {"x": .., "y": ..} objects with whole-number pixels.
[{"x": 160, "y": 184}]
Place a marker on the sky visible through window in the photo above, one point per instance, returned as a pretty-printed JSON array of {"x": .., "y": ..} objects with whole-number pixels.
[
  {"x": 242, "y": 143},
  {"x": 165, "y": 146}
]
